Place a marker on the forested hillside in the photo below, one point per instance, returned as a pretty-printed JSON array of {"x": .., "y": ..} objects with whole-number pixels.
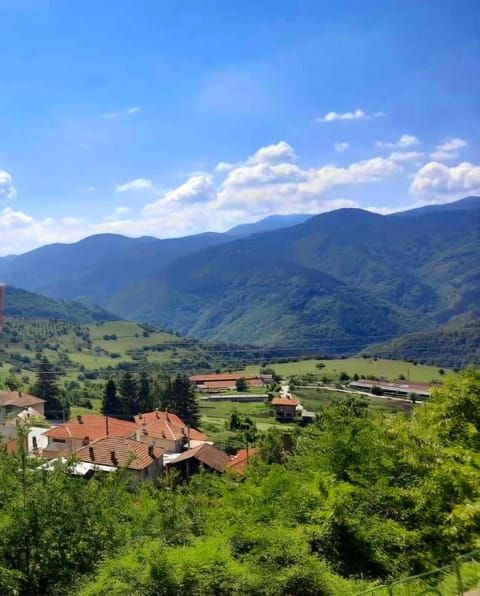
[
  {"x": 455, "y": 347},
  {"x": 348, "y": 275},
  {"x": 362, "y": 499},
  {"x": 20, "y": 303}
]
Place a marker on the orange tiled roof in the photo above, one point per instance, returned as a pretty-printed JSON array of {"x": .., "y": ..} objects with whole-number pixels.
[
  {"x": 93, "y": 426},
  {"x": 239, "y": 462},
  {"x": 19, "y": 399},
  {"x": 166, "y": 425},
  {"x": 284, "y": 401},
  {"x": 119, "y": 452},
  {"x": 208, "y": 455}
]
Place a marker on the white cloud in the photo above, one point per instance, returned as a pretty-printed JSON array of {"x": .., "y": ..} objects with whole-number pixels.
[
  {"x": 343, "y": 146},
  {"x": 270, "y": 154},
  {"x": 448, "y": 150},
  {"x": 117, "y": 113},
  {"x": 285, "y": 186},
  {"x": 266, "y": 182},
  {"x": 437, "y": 179},
  {"x": 399, "y": 156},
  {"x": 265, "y": 173},
  {"x": 138, "y": 184},
  {"x": 403, "y": 142},
  {"x": 11, "y": 219},
  {"x": 281, "y": 151},
  {"x": 355, "y": 115},
  {"x": 197, "y": 189},
  {"x": 20, "y": 232},
  {"x": 224, "y": 166},
  {"x": 331, "y": 116},
  {"x": 7, "y": 190}
]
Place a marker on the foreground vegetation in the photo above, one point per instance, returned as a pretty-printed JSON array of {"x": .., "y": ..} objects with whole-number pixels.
[{"x": 365, "y": 497}]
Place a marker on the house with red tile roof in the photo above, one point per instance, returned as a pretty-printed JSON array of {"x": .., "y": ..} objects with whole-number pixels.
[
  {"x": 14, "y": 402},
  {"x": 143, "y": 462},
  {"x": 82, "y": 430},
  {"x": 166, "y": 430},
  {"x": 192, "y": 461},
  {"x": 239, "y": 461},
  {"x": 285, "y": 407}
]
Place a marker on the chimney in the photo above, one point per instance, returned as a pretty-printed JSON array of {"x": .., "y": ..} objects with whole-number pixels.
[
  {"x": 91, "y": 453},
  {"x": 151, "y": 452},
  {"x": 19, "y": 394},
  {"x": 79, "y": 419},
  {"x": 157, "y": 414},
  {"x": 287, "y": 443},
  {"x": 113, "y": 457}
]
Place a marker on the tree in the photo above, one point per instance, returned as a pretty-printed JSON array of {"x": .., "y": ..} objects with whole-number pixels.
[
  {"x": 180, "y": 399},
  {"x": 144, "y": 393},
  {"x": 111, "y": 406},
  {"x": 46, "y": 387},
  {"x": 241, "y": 384},
  {"x": 343, "y": 376},
  {"x": 128, "y": 394}
]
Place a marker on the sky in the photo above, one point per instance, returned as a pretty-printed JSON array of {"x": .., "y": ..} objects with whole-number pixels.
[{"x": 148, "y": 117}]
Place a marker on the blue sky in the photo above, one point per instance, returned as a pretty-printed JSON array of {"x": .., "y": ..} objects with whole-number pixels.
[{"x": 171, "y": 118}]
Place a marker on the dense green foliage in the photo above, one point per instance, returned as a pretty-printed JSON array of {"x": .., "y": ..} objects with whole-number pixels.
[{"x": 364, "y": 497}]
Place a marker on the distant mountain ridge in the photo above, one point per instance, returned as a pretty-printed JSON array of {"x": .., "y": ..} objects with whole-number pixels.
[
  {"x": 342, "y": 278},
  {"x": 268, "y": 224}
]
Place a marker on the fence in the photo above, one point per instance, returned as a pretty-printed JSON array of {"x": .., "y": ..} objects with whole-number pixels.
[{"x": 451, "y": 580}]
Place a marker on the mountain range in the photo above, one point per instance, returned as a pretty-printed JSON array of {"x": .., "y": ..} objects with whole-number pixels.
[{"x": 337, "y": 281}]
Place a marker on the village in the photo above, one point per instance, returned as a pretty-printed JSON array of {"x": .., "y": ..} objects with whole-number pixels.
[{"x": 153, "y": 444}]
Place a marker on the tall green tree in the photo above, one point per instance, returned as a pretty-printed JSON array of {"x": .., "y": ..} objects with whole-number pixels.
[
  {"x": 180, "y": 399},
  {"x": 46, "y": 387},
  {"x": 111, "y": 406},
  {"x": 144, "y": 393},
  {"x": 127, "y": 389}
]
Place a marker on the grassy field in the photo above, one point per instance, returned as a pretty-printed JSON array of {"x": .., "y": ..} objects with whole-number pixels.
[{"x": 388, "y": 369}]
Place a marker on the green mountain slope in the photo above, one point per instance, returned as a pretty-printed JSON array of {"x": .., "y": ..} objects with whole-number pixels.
[
  {"x": 20, "y": 303},
  {"x": 348, "y": 274},
  {"x": 454, "y": 347},
  {"x": 344, "y": 278}
]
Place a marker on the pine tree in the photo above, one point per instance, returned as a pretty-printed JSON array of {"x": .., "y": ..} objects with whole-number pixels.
[
  {"x": 128, "y": 394},
  {"x": 111, "y": 406},
  {"x": 144, "y": 393},
  {"x": 46, "y": 388},
  {"x": 180, "y": 399}
]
